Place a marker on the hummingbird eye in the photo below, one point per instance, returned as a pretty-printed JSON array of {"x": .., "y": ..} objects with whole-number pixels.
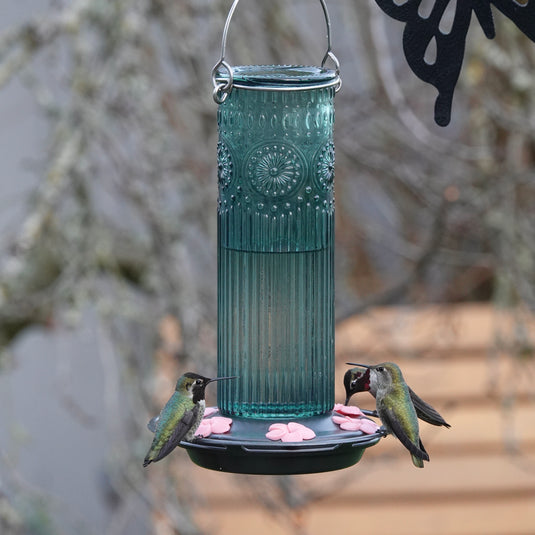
[
  {"x": 380, "y": 369},
  {"x": 198, "y": 382}
]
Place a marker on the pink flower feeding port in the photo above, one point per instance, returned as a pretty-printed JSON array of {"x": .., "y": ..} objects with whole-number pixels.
[
  {"x": 291, "y": 432},
  {"x": 351, "y": 418},
  {"x": 216, "y": 425}
]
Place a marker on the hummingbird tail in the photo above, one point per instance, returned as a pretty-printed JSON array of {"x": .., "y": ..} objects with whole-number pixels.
[{"x": 416, "y": 461}]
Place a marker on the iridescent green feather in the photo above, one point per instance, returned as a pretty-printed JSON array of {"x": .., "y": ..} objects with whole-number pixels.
[
  {"x": 169, "y": 421},
  {"x": 399, "y": 416}
]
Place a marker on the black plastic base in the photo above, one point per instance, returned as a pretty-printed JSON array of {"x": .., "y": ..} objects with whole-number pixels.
[{"x": 246, "y": 450}]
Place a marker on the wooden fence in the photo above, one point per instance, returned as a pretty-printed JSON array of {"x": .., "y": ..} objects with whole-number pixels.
[{"x": 476, "y": 366}]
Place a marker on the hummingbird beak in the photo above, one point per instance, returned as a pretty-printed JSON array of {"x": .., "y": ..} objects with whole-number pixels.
[
  {"x": 355, "y": 364},
  {"x": 223, "y": 378}
]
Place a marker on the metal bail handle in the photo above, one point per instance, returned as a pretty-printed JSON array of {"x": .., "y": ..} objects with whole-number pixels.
[{"x": 223, "y": 86}]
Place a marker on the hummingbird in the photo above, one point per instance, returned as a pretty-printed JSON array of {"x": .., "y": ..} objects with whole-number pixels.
[
  {"x": 180, "y": 417},
  {"x": 395, "y": 408},
  {"x": 356, "y": 380}
]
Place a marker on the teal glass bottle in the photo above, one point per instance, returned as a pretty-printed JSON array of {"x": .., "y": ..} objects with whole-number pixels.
[{"x": 276, "y": 242}]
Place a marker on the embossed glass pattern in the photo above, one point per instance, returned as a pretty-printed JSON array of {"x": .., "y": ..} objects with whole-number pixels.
[{"x": 275, "y": 243}]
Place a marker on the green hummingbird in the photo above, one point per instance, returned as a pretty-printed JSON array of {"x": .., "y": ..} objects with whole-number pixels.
[
  {"x": 356, "y": 380},
  {"x": 180, "y": 417},
  {"x": 395, "y": 408}
]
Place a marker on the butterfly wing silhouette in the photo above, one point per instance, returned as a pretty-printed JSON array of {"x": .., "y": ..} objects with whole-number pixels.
[
  {"x": 521, "y": 12},
  {"x": 420, "y": 31}
]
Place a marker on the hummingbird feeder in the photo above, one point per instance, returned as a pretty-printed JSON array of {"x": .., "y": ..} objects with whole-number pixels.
[{"x": 276, "y": 268}]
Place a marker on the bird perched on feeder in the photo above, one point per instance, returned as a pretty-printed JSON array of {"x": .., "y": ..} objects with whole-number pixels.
[
  {"x": 395, "y": 408},
  {"x": 180, "y": 417},
  {"x": 356, "y": 380}
]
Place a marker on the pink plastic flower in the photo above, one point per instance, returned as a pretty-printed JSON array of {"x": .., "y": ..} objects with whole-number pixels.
[
  {"x": 356, "y": 424},
  {"x": 215, "y": 424},
  {"x": 209, "y": 411},
  {"x": 204, "y": 429},
  {"x": 291, "y": 432},
  {"x": 347, "y": 410}
]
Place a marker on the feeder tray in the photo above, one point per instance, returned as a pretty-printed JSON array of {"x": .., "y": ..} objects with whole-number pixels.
[{"x": 246, "y": 450}]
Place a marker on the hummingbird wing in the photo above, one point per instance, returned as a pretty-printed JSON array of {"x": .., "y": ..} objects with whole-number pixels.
[
  {"x": 179, "y": 432},
  {"x": 425, "y": 412},
  {"x": 153, "y": 423},
  {"x": 391, "y": 422}
]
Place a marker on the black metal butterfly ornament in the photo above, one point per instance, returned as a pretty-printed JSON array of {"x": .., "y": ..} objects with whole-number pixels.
[{"x": 444, "y": 72}]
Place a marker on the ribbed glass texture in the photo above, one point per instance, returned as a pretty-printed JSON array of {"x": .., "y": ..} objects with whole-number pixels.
[{"x": 275, "y": 253}]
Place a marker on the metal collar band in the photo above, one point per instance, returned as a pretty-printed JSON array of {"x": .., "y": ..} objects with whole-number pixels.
[{"x": 279, "y": 78}]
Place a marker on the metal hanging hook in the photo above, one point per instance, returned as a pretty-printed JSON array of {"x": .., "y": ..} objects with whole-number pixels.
[{"x": 223, "y": 85}]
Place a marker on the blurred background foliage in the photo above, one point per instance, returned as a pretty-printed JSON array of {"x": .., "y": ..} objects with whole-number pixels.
[{"x": 122, "y": 218}]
